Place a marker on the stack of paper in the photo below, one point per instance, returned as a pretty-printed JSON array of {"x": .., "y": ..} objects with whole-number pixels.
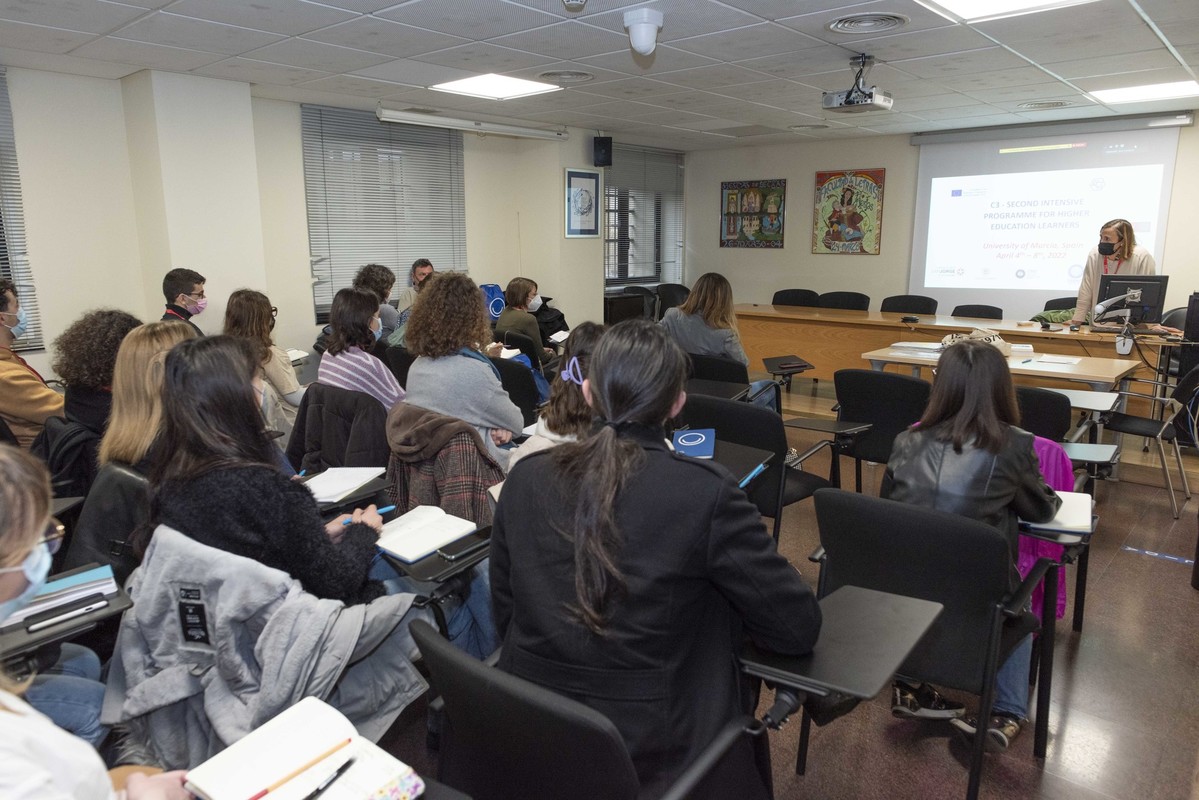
[
  {"x": 509, "y": 352},
  {"x": 412, "y": 536},
  {"x": 67, "y": 588},
  {"x": 559, "y": 337},
  {"x": 338, "y": 482},
  {"x": 928, "y": 347}
]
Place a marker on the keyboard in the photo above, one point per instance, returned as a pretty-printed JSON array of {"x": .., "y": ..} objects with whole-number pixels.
[{"x": 1139, "y": 330}]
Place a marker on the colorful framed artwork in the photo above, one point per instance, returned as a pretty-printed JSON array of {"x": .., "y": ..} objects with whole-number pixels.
[
  {"x": 583, "y": 203},
  {"x": 848, "y": 213},
  {"x": 752, "y": 213}
]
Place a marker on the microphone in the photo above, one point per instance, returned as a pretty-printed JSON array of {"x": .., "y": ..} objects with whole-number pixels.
[{"x": 1133, "y": 296}]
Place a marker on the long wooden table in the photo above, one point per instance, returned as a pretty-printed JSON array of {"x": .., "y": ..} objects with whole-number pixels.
[{"x": 1101, "y": 374}]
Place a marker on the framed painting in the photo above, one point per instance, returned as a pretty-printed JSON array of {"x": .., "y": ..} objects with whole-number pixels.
[
  {"x": 848, "y": 212},
  {"x": 582, "y": 204},
  {"x": 752, "y": 213}
]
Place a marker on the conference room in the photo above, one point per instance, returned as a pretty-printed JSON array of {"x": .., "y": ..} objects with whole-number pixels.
[{"x": 149, "y": 134}]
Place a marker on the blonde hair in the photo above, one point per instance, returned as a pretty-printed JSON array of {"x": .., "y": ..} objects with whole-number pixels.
[
  {"x": 1126, "y": 235},
  {"x": 24, "y": 511},
  {"x": 712, "y": 299},
  {"x": 137, "y": 391}
]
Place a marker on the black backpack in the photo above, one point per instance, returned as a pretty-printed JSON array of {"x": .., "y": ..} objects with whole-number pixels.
[
  {"x": 69, "y": 450},
  {"x": 550, "y": 320}
]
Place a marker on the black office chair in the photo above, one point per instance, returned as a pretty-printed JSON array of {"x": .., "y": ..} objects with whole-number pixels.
[
  {"x": 753, "y": 426},
  {"x": 505, "y": 737},
  {"x": 399, "y": 361},
  {"x": 525, "y": 345},
  {"x": 1174, "y": 318},
  {"x": 671, "y": 295},
  {"x": 909, "y": 304},
  {"x": 963, "y": 564},
  {"x": 518, "y": 382},
  {"x": 978, "y": 311},
  {"x": 796, "y": 297},
  {"x": 649, "y": 300},
  {"x": 1061, "y": 303},
  {"x": 1182, "y": 423},
  {"x": 718, "y": 368},
  {"x": 889, "y": 402},
  {"x": 1044, "y": 412},
  {"x": 854, "y": 301}
]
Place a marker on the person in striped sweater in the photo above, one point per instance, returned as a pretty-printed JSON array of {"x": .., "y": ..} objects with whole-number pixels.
[{"x": 347, "y": 363}]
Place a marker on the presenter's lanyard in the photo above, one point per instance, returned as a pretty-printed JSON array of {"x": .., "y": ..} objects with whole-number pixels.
[{"x": 1116, "y": 271}]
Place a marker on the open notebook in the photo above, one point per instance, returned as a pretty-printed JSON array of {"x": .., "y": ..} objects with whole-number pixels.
[
  {"x": 294, "y": 753},
  {"x": 412, "y": 536},
  {"x": 1073, "y": 517}
]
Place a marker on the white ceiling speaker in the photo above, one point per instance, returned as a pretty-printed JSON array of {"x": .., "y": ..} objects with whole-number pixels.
[{"x": 643, "y": 25}]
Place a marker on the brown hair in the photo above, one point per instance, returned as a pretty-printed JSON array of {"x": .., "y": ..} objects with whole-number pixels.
[
  {"x": 973, "y": 399},
  {"x": 567, "y": 412},
  {"x": 137, "y": 391},
  {"x": 1125, "y": 234},
  {"x": 637, "y": 373},
  {"x": 517, "y": 292},
  {"x": 377, "y": 278},
  {"x": 712, "y": 299},
  {"x": 180, "y": 281},
  {"x": 7, "y": 286},
  {"x": 448, "y": 315},
  {"x": 87, "y": 349},
  {"x": 350, "y": 318},
  {"x": 248, "y": 315}
]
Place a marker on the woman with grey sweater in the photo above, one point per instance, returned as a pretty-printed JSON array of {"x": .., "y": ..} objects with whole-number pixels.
[{"x": 451, "y": 375}]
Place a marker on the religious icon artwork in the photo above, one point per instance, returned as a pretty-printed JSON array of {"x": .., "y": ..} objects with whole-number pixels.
[
  {"x": 848, "y": 212},
  {"x": 751, "y": 213}
]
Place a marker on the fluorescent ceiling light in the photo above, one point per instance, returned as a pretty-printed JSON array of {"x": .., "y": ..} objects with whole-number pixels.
[
  {"x": 437, "y": 121},
  {"x": 986, "y": 10},
  {"x": 1143, "y": 94},
  {"x": 495, "y": 87}
]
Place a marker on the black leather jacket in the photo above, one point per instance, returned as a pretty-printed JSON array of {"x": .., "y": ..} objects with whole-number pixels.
[{"x": 994, "y": 488}]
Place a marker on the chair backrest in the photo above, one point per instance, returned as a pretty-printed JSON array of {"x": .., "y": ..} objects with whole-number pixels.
[
  {"x": 1186, "y": 420},
  {"x": 525, "y": 345},
  {"x": 671, "y": 295},
  {"x": 909, "y": 304},
  {"x": 552, "y": 746},
  {"x": 1060, "y": 303},
  {"x": 70, "y": 450},
  {"x": 751, "y": 425},
  {"x": 718, "y": 368},
  {"x": 796, "y": 297},
  {"x": 890, "y": 402},
  {"x": 979, "y": 311},
  {"x": 649, "y": 300},
  {"x": 399, "y": 361},
  {"x": 853, "y": 301},
  {"x": 337, "y": 428},
  {"x": 1175, "y": 318},
  {"x": 1044, "y": 413},
  {"x": 917, "y": 552},
  {"x": 518, "y": 382}
]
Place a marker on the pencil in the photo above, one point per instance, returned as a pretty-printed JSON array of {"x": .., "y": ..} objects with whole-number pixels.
[{"x": 298, "y": 770}]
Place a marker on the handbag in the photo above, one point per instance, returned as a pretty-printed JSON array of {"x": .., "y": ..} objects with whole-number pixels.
[{"x": 982, "y": 335}]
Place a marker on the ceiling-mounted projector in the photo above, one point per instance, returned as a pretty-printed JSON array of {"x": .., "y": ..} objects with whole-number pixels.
[{"x": 858, "y": 98}]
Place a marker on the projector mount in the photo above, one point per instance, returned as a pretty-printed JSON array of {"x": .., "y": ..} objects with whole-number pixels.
[{"x": 862, "y": 63}]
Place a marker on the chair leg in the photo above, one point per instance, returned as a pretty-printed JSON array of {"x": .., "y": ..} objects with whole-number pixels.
[
  {"x": 1080, "y": 587},
  {"x": 1045, "y": 668},
  {"x": 1186, "y": 486},
  {"x": 857, "y": 474},
  {"x": 1161, "y": 452},
  {"x": 805, "y": 731}
]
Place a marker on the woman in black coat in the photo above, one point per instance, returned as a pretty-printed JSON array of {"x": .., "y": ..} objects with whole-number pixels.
[{"x": 625, "y": 576}]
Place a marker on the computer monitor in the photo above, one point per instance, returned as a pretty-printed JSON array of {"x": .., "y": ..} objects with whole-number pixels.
[{"x": 1153, "y": 296}]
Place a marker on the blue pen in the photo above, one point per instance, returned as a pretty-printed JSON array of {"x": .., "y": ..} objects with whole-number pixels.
[
  {"x": 303, "y": 472},
  {"x": 380, "y": 512},
  {"x": 757, "y": 471}
]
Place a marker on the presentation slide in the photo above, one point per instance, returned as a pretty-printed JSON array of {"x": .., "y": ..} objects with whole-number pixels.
[{"x": 1031, "y": 230}]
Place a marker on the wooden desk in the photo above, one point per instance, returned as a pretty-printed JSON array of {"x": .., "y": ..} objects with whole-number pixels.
[
  {"x": 832, "y": 339},
  {"x": 1101, "y": 374}
]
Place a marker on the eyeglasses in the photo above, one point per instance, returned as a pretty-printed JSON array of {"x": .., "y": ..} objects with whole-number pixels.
[
  {"x": 53, "y": 535},
  {"x": 195, "y": 295},
  {"x": 274, "y": 311}
]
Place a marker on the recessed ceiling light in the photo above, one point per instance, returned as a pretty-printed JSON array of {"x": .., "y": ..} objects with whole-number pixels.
[
  {"x": 986, "y": 10},
  {"x": 495, "y": 87},
  {"x": 1041, "y": 105},
  {"x": 1142, "y": 94},
  {"x": 867, "y": 23},
  {"x": 802, "y": 128},
  {"x": 567, "y": 76}
]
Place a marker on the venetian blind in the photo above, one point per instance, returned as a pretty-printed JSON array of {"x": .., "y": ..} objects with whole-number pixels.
[
  {"x": 379, "y": 193},
  {"x": 643, "y": 225},
  {"x": 14, "y": 258}
]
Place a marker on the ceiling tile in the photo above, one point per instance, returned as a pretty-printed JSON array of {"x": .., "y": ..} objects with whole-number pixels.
[
  {"x": 565, "y": 40},
  {"x": 713, "y": 76},
  {"x": 250, "y": 71},
  {"x": 625, "y": 109},
  {"x": 946, "y": 99},
  {"x": 1001, "y": 95},
  {"x": 1019, "y": 76},
  {"x": 1086, "y": 43},
  {"x": 779, "y": 9},
  {"x": 316, "y": 55},
  {"x": 631, "y": 88},
  {"x": 593, "y": 7},
  {"x": 384, "y": 36},
  {"x": 476, "y": 19},
  {"x": 756, "y": 40},
  {"x": 143, "y": 54},
  {"x": 919, "y": 44},
  {"x": 690, "y": 101},
  {"x": 534, "y": 73},
  {"x": 480, "y": 58},
  {"x": 195, "y": 34},
  {"x": 682, "y": 18},
  {"x": 414, "y": 73},
  {"x": 89, "y": 16},
  {"x": 349, "y": 84},
  {"x": 1074, "y": 100},
  {"x": 1145, "y": 78},
  {"x": 1085, "y": 112},
  {"x": 970, "y": 62},
  {"x": 919, "y": 19},
  {"x": 794, "y": 66},
  {"x": 1182, "y": 32},
  {"x": 1170, "y": 10},
  {"x": 773, "y": 93},
  {"x": 1111, "y": 64},
  {"x": 1106, "y": 17},
  {"x": 40, "y": 38},
  {"x": 290, "y": 17},
  {"x": 51, "y": 62},
  {"x": 566, "y": 99},
  {"x": 361, "y": 6},
  {"x": 663, "y": 59}
]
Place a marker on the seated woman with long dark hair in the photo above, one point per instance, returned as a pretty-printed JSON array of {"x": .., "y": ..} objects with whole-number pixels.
[
  {"x": 966, "y": 456},
  {"x": 625, "y": 575},
  {"x": 347, "y": 362}
]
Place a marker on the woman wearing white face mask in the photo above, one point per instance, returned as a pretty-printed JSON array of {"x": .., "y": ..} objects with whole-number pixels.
[
  {"x": 26, "y": 402},
  {"x": 347, "y": 363},
  {"x": 37, "y": 758},
  {"x": 521, "y": 301}
]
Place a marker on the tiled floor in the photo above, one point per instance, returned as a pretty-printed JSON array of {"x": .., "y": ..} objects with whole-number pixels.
[{"x": 1125, "y": 717}]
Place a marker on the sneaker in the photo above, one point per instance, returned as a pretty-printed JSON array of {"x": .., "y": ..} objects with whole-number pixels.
[
  {"x": 792, "y": 459},
  {"x": 922, "y": 702},
  {"x": 1002, "y": 729}
]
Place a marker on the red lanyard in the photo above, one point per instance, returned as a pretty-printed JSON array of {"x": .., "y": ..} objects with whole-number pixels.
[
  {"x": 1117, "y": 270},
  {"x": 177, "y": 315}
]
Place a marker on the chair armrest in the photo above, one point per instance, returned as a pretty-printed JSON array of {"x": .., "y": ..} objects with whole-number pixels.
[
  {"x": 712, "y": 755},
  {"x": 770, "y": 387},
  {"x": 817, "y": 555},
  {"x": 816, "y": 448},
  {"x": 1014, "y": 605}
]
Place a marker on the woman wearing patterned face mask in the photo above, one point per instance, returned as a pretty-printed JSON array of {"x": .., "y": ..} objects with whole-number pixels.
[
  {"x": 38, "y": 759},
  {"x": 1116, "y": 254}
]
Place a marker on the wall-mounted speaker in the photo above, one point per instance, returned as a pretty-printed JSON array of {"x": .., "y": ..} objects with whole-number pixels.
[{"x": 601, "y": 147}]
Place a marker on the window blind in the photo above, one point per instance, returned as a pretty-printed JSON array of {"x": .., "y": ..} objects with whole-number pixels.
[
  {"x": 14, "y": 258},
  {"x": 643, "y": 219},
  {"x": 379, "y": 193}
]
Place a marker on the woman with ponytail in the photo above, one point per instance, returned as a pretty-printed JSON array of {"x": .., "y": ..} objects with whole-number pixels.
[{"x": 625, "y": 576}]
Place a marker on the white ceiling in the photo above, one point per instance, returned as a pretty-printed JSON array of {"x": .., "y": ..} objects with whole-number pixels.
[{"x": 734, "y": 72}]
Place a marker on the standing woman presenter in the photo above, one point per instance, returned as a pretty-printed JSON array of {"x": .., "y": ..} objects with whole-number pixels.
[{"x": 1116, "y": 254}]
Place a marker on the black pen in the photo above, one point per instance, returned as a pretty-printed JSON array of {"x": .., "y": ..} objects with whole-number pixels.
[{"x": 327, "y": 782}]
